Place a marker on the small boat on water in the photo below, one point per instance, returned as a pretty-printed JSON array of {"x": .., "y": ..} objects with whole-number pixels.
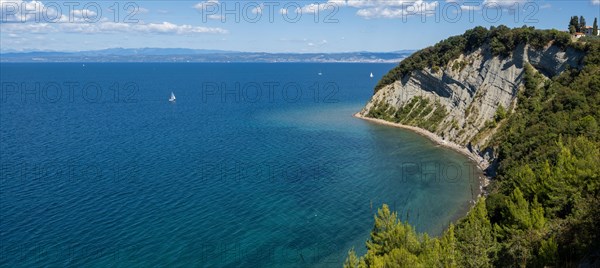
[
  {"x": 172, "y": 98},
  {"x": 371, "y": 75}
]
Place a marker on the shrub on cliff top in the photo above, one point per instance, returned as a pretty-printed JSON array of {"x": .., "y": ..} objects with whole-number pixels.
[{"x": 501, "y": 41}]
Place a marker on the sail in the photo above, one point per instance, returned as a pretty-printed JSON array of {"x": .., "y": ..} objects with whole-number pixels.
[{"x": 172, "y": 98}]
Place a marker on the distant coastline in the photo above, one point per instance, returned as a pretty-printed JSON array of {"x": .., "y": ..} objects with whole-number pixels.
[{"x": 211, "y": 56}]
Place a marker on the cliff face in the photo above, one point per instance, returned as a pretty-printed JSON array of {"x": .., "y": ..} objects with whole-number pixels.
[{"x": 465, "y": 101}]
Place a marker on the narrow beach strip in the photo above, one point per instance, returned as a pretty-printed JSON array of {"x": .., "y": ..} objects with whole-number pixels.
[{"x": 481, "y": 163}]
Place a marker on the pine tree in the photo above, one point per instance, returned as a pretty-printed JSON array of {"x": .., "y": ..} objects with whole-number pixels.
[
  {"x": 519, "y": 210},
  {"x": 581, "y": 24},
  {"x": 548, "y": 252},
  {"x": 595, "y": 27},
  {"x": 400, "y": 257},
  {"x": 574, "y": 22},
  {"x": 523, "y": 215},
  {"x": 572, "y": 29},
  {"x": 385, "y": 223},
  {"x": 392, "y": 243},
  {"x": 389, "y": 233},
  {"x": 449, "y": 253},
  {"x": 351, "y": 260},
  {"x": 475, "y": 240}
]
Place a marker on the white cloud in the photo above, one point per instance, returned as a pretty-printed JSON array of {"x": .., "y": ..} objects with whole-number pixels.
[
  {"x": 366, "y": 8},
  {"x": 371, "y": 9},
  {"x": 258, "y": 9},
  {"x": 209, "y": 6},
  {"x": 83, "y": 13},
  {"x": 215, "y": 16},
  {"x": 504, "y": 3},
  {"x": 394, "y": 11},
  {"x": 42, "y": 19},
  {"x": 294, "y": 40},
  {"x": 466, "y": 5},
  {"x": 390, "y": 9},
  {"x": 372, "y": 3},
  {"x": 167, "y": 27},
  {"x": 368, "y": 3},
  {"x": 19, "y": 28},
  {"x": 470, "y": 7},
  {"x": 12, "y": 11},
  {"x": 312, "y": 8},
  {"x": 307, "y": 9},
  {"x": 206, "y": 4},
  {"x": 595, "y": 2},
  {"x": 212, "y": 8},
  {"x": 109, "y": 27},
  {"x": 317, "y": 44}
]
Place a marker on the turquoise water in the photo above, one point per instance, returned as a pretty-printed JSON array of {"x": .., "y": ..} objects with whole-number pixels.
[{"x": 99, "y": 169}]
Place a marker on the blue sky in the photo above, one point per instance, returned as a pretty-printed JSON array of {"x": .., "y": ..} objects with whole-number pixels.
[{"x": 268, "y": 26}]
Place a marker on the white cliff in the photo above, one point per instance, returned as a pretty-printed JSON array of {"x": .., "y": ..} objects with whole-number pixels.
[{"x": 469, "y": 90}]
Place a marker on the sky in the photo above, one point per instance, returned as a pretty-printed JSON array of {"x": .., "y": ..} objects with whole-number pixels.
[{"x": 267, "y": 26}]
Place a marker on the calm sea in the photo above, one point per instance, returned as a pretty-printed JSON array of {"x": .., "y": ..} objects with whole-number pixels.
[{"x": 253, "y": 165}]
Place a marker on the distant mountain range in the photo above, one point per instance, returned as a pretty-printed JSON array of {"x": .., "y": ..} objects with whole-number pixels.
[{"x": 198, "y": 55}]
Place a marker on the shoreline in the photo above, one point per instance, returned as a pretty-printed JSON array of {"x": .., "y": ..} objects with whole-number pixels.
[{"x": 481, "y": 163}]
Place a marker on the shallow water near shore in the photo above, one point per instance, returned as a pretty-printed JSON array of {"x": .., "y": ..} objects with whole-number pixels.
[{"x": 254, "y": 165}]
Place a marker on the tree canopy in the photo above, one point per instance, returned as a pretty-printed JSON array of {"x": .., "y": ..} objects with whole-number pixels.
[{"x": 543, "y": 207}]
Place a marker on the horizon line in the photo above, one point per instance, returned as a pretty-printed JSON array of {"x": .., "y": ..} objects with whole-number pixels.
[{"x": 195, "y": 49}]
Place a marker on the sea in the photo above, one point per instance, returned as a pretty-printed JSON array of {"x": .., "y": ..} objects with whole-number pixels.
[{"x": 253, "y": 165}]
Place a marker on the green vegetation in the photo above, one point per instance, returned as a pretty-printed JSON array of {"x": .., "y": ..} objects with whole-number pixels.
[
  {"x": 381, "y": 110},
  {"x": 501, "y": 41},
  {"x": 396, "y": 244},
  {"x": 589, "y": 38},
  {"x": 573, "y": 25},
  {"x": 459, "y": 66},
  {"x": 417, "y": 112},
  {"x": 578, "y": 25},
  {"x": 500, "y": 113},
  {"x": 543, "y": 207}
]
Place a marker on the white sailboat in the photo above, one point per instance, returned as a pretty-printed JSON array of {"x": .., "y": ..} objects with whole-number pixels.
[
  {"x": 172, "y": 98},
  {"x": 371, "y": 75}
]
